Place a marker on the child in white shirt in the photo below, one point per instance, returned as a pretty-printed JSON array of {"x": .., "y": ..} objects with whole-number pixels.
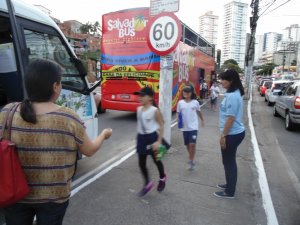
[{"x": 189, "y": 108}]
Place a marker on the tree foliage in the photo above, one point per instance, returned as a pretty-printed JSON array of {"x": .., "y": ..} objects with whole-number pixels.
[
  {"x": 230, "y": 64},
  {"x": 94, "y": 55},
  {"x": 90, "y": 28},
  {"x": 85, "y": 28},
  {"x": 266, "y": 69}
]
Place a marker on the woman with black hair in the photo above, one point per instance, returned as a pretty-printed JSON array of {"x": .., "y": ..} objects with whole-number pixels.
[
  {"x": 232, "y": 129},
  {"x": 189, "y": 109},
  {"x": 47, "y": 138}
]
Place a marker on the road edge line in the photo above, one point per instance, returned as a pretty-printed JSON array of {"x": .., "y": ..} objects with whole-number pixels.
[
  {"x": 103, "y": 172},
  {"x": 262, "y": 177},
  {"x": 110, "y": 167}
]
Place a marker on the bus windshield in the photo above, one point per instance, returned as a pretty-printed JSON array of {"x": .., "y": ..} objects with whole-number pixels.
[{"x": 47, "y": 46}]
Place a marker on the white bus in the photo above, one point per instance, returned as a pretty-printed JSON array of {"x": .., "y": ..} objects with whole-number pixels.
[{"x": 26, "y": 33}]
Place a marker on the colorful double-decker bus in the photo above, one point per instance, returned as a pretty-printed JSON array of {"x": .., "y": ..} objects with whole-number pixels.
[{"x": 128, "y": 64}]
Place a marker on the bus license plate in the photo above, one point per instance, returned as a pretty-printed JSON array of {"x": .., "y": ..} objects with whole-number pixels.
[{"x": 125, "y": 96}]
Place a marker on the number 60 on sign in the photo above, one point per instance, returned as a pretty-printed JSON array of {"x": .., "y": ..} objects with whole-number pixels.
[{"x": 164, "y": 33}]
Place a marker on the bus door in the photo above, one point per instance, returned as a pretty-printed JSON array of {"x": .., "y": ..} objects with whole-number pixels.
[{"x": 10, "y": 80}]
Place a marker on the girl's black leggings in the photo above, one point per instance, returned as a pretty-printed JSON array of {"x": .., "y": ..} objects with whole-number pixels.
[{"x": 143, "y": 167}]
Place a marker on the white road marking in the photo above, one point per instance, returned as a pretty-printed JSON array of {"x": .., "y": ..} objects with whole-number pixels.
[
  {"x": 262, "y": 177},
  {"x": 108, "y": 168},
  {"x": 103, "y": 172}
]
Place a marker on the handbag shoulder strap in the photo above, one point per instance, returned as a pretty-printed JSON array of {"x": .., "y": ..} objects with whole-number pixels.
[
  {"x": 8, "y": 119},
  {"x": 4, "y": 123}
]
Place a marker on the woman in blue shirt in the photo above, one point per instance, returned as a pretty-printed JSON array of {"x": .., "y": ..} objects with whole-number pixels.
[{"x": 232, "y": 129}]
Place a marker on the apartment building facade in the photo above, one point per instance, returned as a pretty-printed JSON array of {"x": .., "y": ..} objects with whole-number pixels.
[
  {"x": 234, "y": 32},
  {"x": 291, "y": 33},
  {"x": 208, "y": 27},
  {"x": 271, "y": 41}
]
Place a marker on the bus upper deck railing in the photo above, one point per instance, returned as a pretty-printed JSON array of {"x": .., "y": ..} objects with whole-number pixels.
[{"x": 191, "y": 38}]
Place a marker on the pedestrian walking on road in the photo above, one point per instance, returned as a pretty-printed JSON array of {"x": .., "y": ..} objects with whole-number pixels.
[
  {"x": 214, "y": 94},
  {"x": 188, "y": 109},
  {"x": 203, "y": 89},
  {"x": 47, "y": 138},
  {"x": 231, "y": 128},
  {"x": 150, "y": 129}
]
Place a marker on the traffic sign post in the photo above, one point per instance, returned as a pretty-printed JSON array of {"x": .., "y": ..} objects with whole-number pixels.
[
  {"x": 163, "y": 37},
  {"x": 165, "y": 93}
]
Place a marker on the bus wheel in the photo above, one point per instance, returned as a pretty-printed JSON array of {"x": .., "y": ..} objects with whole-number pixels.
[{"x": 100, "y": 109}]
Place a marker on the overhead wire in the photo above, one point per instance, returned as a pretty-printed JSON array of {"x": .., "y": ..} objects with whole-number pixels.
[
  {"x": 265, "y": 11},
  {"x": 267, "y": 7}
]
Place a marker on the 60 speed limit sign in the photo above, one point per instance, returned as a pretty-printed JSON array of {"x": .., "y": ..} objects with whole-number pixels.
[{"x": 164, "y": 33}]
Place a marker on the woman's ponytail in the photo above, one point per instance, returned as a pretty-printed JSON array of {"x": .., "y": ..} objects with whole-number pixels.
[{"x": 27, "y": 112}]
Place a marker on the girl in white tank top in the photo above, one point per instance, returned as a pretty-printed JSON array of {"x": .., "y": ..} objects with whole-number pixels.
[{"x": 150, "y": 128}]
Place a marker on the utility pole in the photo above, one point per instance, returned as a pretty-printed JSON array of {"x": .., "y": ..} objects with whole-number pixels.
[
  {"x": 283, "y": 58},
  {"x": 250, "y": 50}
]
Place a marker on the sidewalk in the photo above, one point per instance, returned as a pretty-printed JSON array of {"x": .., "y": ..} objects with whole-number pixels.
[{"x": 188, "y": 198}]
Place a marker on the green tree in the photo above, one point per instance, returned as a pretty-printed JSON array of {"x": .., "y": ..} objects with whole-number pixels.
[
  {"x": 90, "y": 28},
  {"x": 96, "y": 28},
  {"x": 231, "y": 64},
  {"x": 86, "y": 28},
  {"x": 266, "y": 69},
  {"x": 94, "y": 55}
]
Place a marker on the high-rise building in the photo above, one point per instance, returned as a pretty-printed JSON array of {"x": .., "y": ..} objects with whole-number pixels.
[
  {"x": 208, "y": 27},
  {"x": 271, "y": 41},
  {"x": 259, "y": 48},
  {"x": 295, "y": 32},
  {"x": 234, "y": 32},
  {"x": 286, "y": 34},
  {"x": 291, "y": 33}
]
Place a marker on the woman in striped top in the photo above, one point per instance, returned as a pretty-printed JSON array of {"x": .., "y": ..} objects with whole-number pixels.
[{"x": 47, "y": 137}]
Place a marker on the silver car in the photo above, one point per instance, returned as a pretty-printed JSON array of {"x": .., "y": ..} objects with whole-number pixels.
[
  {"x": 272, "y": 93},
  {"x": 287, "y": 105},
  {"x": 271, "y": 96}
]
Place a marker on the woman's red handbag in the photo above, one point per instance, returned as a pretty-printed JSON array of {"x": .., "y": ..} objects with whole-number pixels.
[{"x": 13, "y": 184}]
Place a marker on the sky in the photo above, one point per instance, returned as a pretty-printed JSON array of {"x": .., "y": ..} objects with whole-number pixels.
[{"x": 189, "y": 11}]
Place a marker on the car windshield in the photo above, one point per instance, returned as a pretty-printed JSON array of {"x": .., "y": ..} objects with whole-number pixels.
[
  {"x": 280, "y": 86},
  {"x": 268, "y": 83}
]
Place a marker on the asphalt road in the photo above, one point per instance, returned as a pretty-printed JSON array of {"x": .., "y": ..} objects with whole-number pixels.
[
  {"x": 121, "y": 142},
  {"x": 281, "y": 156},
  {"x": 279, "y": 148},
  {"x": 124, "y": 130}
]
